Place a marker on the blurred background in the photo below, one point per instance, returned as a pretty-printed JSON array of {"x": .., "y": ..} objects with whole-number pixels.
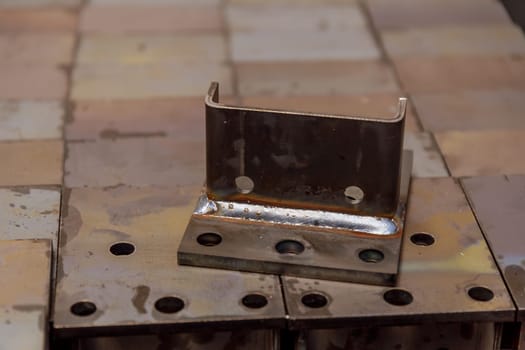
[{"x": 104, "y": 92}]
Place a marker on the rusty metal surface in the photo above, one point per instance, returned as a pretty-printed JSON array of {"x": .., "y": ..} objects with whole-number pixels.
[
  {"x": 499, "y": 204},
  {"x": 303, "y": 160},
  {"x": 438, "y": 277},
  {"x": 127, "y": 290},
  {"x": 25, "y": 267},
  {"x": 450, "y": 336},
  {"x": 206, "y": 340}
]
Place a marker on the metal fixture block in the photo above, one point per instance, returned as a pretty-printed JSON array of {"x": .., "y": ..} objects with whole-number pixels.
[
  {"x": 302, "y": 194},
  {"x": 118, "y": 272}
]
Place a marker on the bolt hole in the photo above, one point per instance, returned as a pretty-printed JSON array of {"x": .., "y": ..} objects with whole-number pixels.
[
  {"x": 254, "y": 301},
  {"x": 244, "y": 184},
  {"x": 209, "y": 239},
  {"x": 122, "y": 248},
  {"x": 371, "y": 255},
  {"x": 354, "y": 194},
  {"x": 290, "y": 247},
  {"x": 83, "y": 308},
  {"x": 314, "y": 300},
  {"x": 423, "y": 239},
  {"x": 480, "y": 293},
  {"x": 169, "y": 305},
  {"x": 398, "y": 297}
]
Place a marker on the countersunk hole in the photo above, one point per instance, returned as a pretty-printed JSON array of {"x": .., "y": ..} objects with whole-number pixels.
[
  {"x": 371, "y": 255},
  {"x": 398, "y": 297},
  {"x": 122, "y": 248},
  {"x": 209, "y": 239},
  {"x": 354, "y": 194},
  {"x": 422, "y": 238},
  {"x": 83, "y": 308},
  {"x": 289, "y": 246},
  {"x": 254, "y": 301},
  {"x": 314, "y": 300},
  {"x": 480, "y": 293},
  {"x": 244, "y": 184},
  {"x": 169, "y": 305}
]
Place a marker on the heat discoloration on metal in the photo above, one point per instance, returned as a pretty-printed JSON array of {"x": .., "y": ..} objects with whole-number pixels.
[
  {"x": 499, "y": 203},
  {"x": 437, "y": 276},
  {"x": 25, "y": 267},
  {"x": 125, "y": 288},
  {"x": 268, "y": 184},
  {"x": 206, "y": 340}
]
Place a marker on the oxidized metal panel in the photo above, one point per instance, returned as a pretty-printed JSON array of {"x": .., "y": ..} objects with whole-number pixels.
[
  {"x": 447, "y": 273},
  {"x": 499, "y": 205},
  {"x": 25, "y": 267},
  {"x": 118, "y": 272}
]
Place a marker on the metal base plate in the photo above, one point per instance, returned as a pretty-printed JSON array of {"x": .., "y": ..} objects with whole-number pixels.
[{"x": 296, "y": 246}]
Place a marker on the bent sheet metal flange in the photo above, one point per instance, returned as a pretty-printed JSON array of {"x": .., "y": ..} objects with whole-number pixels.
[{"x": 302, "y": 194}]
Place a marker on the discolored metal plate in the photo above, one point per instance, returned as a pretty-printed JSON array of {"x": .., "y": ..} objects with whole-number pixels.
[
  {"x": 25, "y": 267},
  {"x": 499, "y": 204},
  {"x": 438, "y": 277},
  {"x": 126, "y": 289}
]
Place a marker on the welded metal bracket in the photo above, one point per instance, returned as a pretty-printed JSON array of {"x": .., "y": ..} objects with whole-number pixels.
[{"x": 301, "y": 194}]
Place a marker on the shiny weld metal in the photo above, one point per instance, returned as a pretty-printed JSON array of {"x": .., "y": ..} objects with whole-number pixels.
[
  {"x": 25, "y": 267},
  {"x": 301, "y": 194},
  {"x": 118, "y": 272},
  {"x": 499, "y": 204},
  {"x": 447, "y": 273}
]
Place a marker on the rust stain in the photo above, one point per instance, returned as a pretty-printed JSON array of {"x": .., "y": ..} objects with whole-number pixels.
[
  {"x": 140, "y": 297},
  {"x": 71, "y": 225}
]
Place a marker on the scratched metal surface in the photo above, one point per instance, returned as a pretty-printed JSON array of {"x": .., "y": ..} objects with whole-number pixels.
[
  {"x": 125, "y": 288},
  {"x": 438, "y": 276},
  {"x": 25, "y": 267}
]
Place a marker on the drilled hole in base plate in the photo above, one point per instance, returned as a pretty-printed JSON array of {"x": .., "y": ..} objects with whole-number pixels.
[
  {"x": 398, "y": 297},
  {"x": 169, "y": 305},
  {"x": 314, "y": 300},
  {"x": 289, "y": 246},
  {"x": 422, "y": 238},
  {"x": 254, "y": 301},
  {"x": 122, "y": 248},
  {"x": 244, "y": 184},
  {"x": 480, "y": 293},
  {"x": 354, "y": 194},
  {"x": 209, "y": 239},
  {"x": 83, "y": 308},
  {"x": 371, "y": 255}
]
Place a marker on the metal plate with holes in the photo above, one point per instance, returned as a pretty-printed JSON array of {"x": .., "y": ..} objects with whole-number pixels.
[
  {"x": 205, "y": 340},
  {"x": 118, "y": 273},
  {"x": 25, "y": 267},
  {"x": 447, "y": 273},
  {"x": 435, "y": 336},
  {"x": 309, "y": 195},
  {"x": 499, "y": 205}
]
